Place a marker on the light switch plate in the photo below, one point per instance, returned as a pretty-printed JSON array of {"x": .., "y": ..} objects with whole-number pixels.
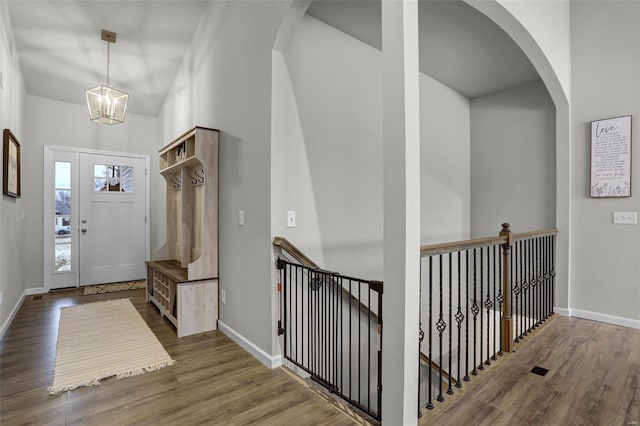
[
  {"x": 291, "y": 219},
  {"x": 241, "y": 218},
  {"x": 625, "y": 218},
  {"x": 1, "y": 80},
  {"x": 223, "y": 297}
]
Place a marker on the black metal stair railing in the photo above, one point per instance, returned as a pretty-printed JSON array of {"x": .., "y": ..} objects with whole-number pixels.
[
  {"x": 332, "y": 329},
  {"x": 482, "y": 297}
]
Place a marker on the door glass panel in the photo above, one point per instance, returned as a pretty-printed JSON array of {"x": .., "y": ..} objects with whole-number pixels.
[
  {"x": 63, "y": 202},
  {"x": 62, "y": 217},
  {"x": 63, "y": 257},
  {"x": 126, "y": 172},
  {"x": 100, "y": 170},
  {"x": 63, "y": 175},
  {"x": 126, "y": 185},
  {"x": 114, "y": 172},
  {"x": 99, "y": 185},
  {"x": 112, "y": 178}
]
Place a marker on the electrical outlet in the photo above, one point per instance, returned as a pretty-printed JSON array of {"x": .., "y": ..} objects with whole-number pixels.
[
  {"x": 1, "y": 297},
  {"x": 241, "y": 218},
  {"x": 291, "y": 219},
  {"x": 1, "y": 80},
  {"x": 223, "y": 297},
  {"x": 626, "y": 218}
]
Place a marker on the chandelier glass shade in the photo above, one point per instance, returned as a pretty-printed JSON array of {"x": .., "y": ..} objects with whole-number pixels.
[{"x": 106, "y": 104}]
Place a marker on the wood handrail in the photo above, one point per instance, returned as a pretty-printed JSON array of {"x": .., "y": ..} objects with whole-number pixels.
[
  {"x": 533, "y": 234},
  {"x": 451, "y": 247},
  {"x": 304, "y": 260},
  {"x": 294, "y": 252},
  {"x": 442, "y": 248}
]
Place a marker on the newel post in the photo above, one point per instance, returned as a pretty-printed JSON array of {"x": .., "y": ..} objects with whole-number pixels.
[{"x": 506, "y": 345}]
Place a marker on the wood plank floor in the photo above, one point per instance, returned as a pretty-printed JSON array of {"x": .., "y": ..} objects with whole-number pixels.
[
  {"x": 593, "y": 380},
  {"x": 214, "y": 382}
]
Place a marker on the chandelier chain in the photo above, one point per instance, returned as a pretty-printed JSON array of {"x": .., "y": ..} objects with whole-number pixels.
[{"x": 108, "y": 60}]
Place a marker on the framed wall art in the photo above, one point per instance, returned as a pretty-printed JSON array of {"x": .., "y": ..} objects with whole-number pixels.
[
  {"x": 611, "y": 157},
  {"x": 10, "y": 164}
]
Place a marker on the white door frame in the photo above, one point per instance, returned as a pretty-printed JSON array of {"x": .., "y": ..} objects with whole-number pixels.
[{"x": 55, "y": 280}]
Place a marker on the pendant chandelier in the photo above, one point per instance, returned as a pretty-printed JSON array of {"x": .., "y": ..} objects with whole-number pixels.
[{"x": 106, "y": 104}]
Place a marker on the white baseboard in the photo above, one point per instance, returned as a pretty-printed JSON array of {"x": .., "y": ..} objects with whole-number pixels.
[
  {"x": 35, "y": 290},
  {"x": 610, "y": 319},
  {"x": 247, "y": 345},
  {"x": 12, "y": 315},
  {"x": 562, "y": 311}
]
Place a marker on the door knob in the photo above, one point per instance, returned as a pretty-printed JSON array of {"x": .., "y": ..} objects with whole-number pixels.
[
  {"x": 84, "y": 221},
  {"x": 84, "y": 230}
]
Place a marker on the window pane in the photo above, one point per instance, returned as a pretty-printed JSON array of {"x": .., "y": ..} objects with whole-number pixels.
[
  {"x": 62, "y": 228},
  {"x": 114, "y": 185},
  {"x": 63, "y": 257},
  {"x": 63, "y": 202},
  {"x": 63, "y": 175},
  {"x": 99, "y": 170},
  {"x": 113, "y": 172},
  {"x": 99, "y": 185},
  {"x": 126, "y": 172},
  {"x": 126, "y": 186}
]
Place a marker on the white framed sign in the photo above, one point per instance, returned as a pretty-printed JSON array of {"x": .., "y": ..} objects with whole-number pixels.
[{"x": 611, "y": 157}]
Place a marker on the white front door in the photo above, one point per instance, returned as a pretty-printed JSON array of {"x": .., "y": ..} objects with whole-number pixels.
[
  {"x": 95, "y": 207},
  {"x": 111, "y": 219}
]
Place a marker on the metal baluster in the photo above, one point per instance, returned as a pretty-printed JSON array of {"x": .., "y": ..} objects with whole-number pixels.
[
  {"x": 459, "y": 318},
  {"x": 538, "y": 282},
  {"x": 449, "y": 390},
  {"x": 359, "y": 344},
  {"x": 440, "y": 326},
  {"x": 429, "y": 371},
  {"x": 516, "y": 279},
  {"x": 466, "y": 324},
  {"x": 488, "y": 304},
  {"x": 350, "y": 338},
  {"x": 500, "y": 297},
  {"x": 286, "y": 324},
  {"x": 295, "y": 283},
  {"x": 474, "y": 311},
  {"x": 545, "y": 273},
  {"x": 341, "y": 337},
  {"x": 495, "y": 333},
  {"x": 336, "y": 334},
  {"x": 369, "y": 351},
  {"x": 325, "y": 316},
  {"x": 532, "y": 277},
  {"x": 380, "y": 333},
  {"x": 553, "y": 274},
  {"x": 420, "y": 339},
  {"x": 303, "y": 318},
  {"x": 481, "y": 366}
]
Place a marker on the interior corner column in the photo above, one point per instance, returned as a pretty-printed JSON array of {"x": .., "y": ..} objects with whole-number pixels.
[{"x": 401, "y": 164}]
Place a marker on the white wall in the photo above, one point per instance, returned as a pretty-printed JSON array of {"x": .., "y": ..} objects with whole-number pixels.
[
  {"x": 63, "y": 124},
  {"x": 513, "y": 160},
  {"x": 445, "y": 163},
  {"x": 12, "y": 228},
  {"x": 541, "y": 28},
  {"x": 327, "y": 152},
  {"x": 547, "y": 22},
  {"x": 225, "y": 83},
  {"x": 605, "y": 40}
]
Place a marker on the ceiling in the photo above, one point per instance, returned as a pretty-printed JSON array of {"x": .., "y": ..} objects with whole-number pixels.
[
  {"x": 62, "y": 54},
  {"x": 459, "y": 46}
]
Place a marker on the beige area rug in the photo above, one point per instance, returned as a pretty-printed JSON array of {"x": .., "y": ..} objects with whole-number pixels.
[
  {"x": 104, "y": 339},
  {"x": 110, "y": 288}
]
